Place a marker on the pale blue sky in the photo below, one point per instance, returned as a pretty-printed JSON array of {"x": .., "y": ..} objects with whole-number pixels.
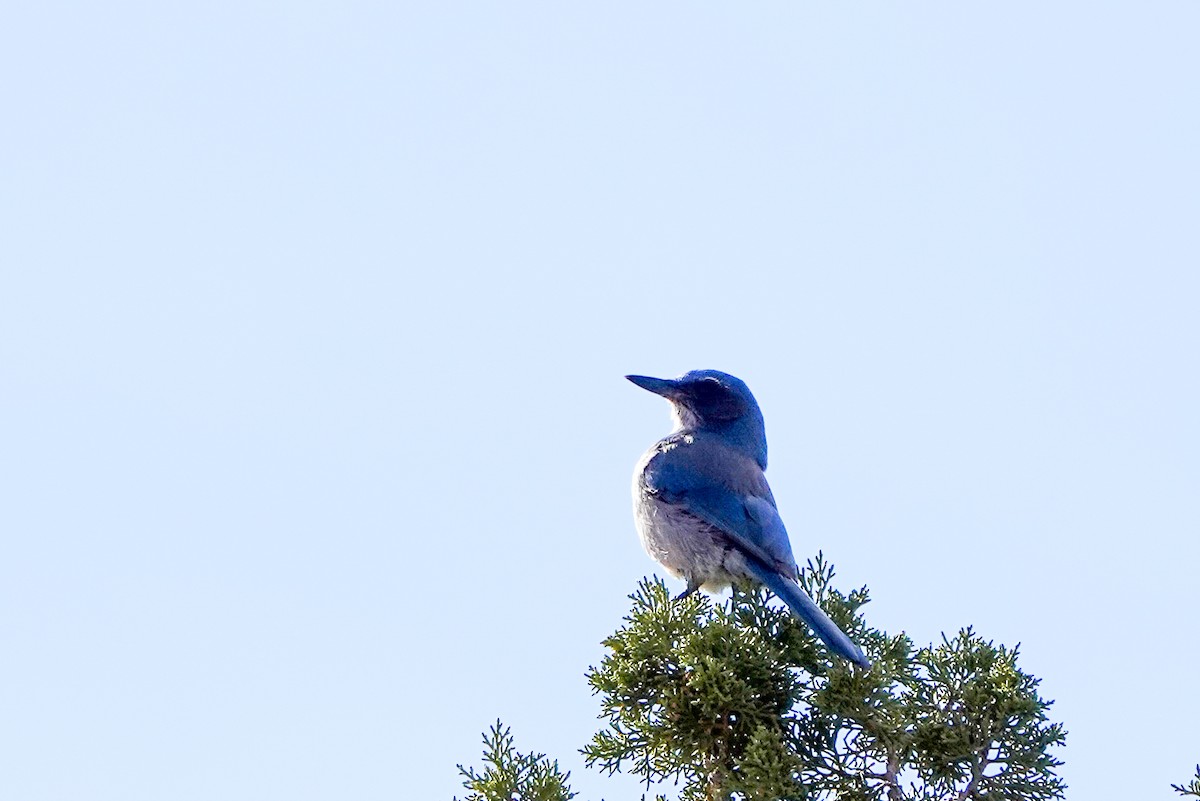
[{"x": 313, "y": 319}]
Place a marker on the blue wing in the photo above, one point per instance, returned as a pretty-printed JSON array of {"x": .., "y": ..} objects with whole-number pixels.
[
  {"x": 748, "y": 518},
  {"x": 752, "y": 524}
]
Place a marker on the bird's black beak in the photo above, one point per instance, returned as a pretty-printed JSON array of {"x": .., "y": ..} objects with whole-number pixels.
[{"x": 667, "y": 387}]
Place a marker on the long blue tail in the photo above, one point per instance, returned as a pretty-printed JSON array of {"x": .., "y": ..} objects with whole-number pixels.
[{"x": 807, "y": 610}]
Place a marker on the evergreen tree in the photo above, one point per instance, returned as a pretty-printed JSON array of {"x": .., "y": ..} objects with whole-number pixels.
[
  {"x": 509, "y": 775},
  {"x": 1190, "y": 789},
  {"x": 738, "y": 700}
]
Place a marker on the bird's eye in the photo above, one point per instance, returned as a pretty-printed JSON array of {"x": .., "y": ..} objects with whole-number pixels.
[{"x": 714, "y": 400}]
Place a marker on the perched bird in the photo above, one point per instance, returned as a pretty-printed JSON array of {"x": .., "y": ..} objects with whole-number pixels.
[{"x": 702, "y": 504}]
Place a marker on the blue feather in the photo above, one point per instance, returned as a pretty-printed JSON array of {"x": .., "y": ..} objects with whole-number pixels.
[{"x": 808, "y": 611}]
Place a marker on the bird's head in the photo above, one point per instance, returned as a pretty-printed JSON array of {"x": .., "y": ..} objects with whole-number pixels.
[{"x": 709, "y": 400}]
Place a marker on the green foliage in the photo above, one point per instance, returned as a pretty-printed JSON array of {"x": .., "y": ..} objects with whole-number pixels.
[
  {"x": 738, "y": 700},
  {"x": 978, "y": 724},
  {"x": 1192, "y": 789},
  {"x": 512, "y": 776}
]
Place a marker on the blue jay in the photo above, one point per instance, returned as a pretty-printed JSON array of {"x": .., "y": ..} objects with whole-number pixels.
[{"x": 702, "y": 504}]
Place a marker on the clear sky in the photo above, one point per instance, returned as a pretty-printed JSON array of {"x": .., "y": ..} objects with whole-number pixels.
[{"x": 315, "y": 444}]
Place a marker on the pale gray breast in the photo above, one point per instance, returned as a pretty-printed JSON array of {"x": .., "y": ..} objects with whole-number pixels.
[{"x": 686, "y": 546}]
